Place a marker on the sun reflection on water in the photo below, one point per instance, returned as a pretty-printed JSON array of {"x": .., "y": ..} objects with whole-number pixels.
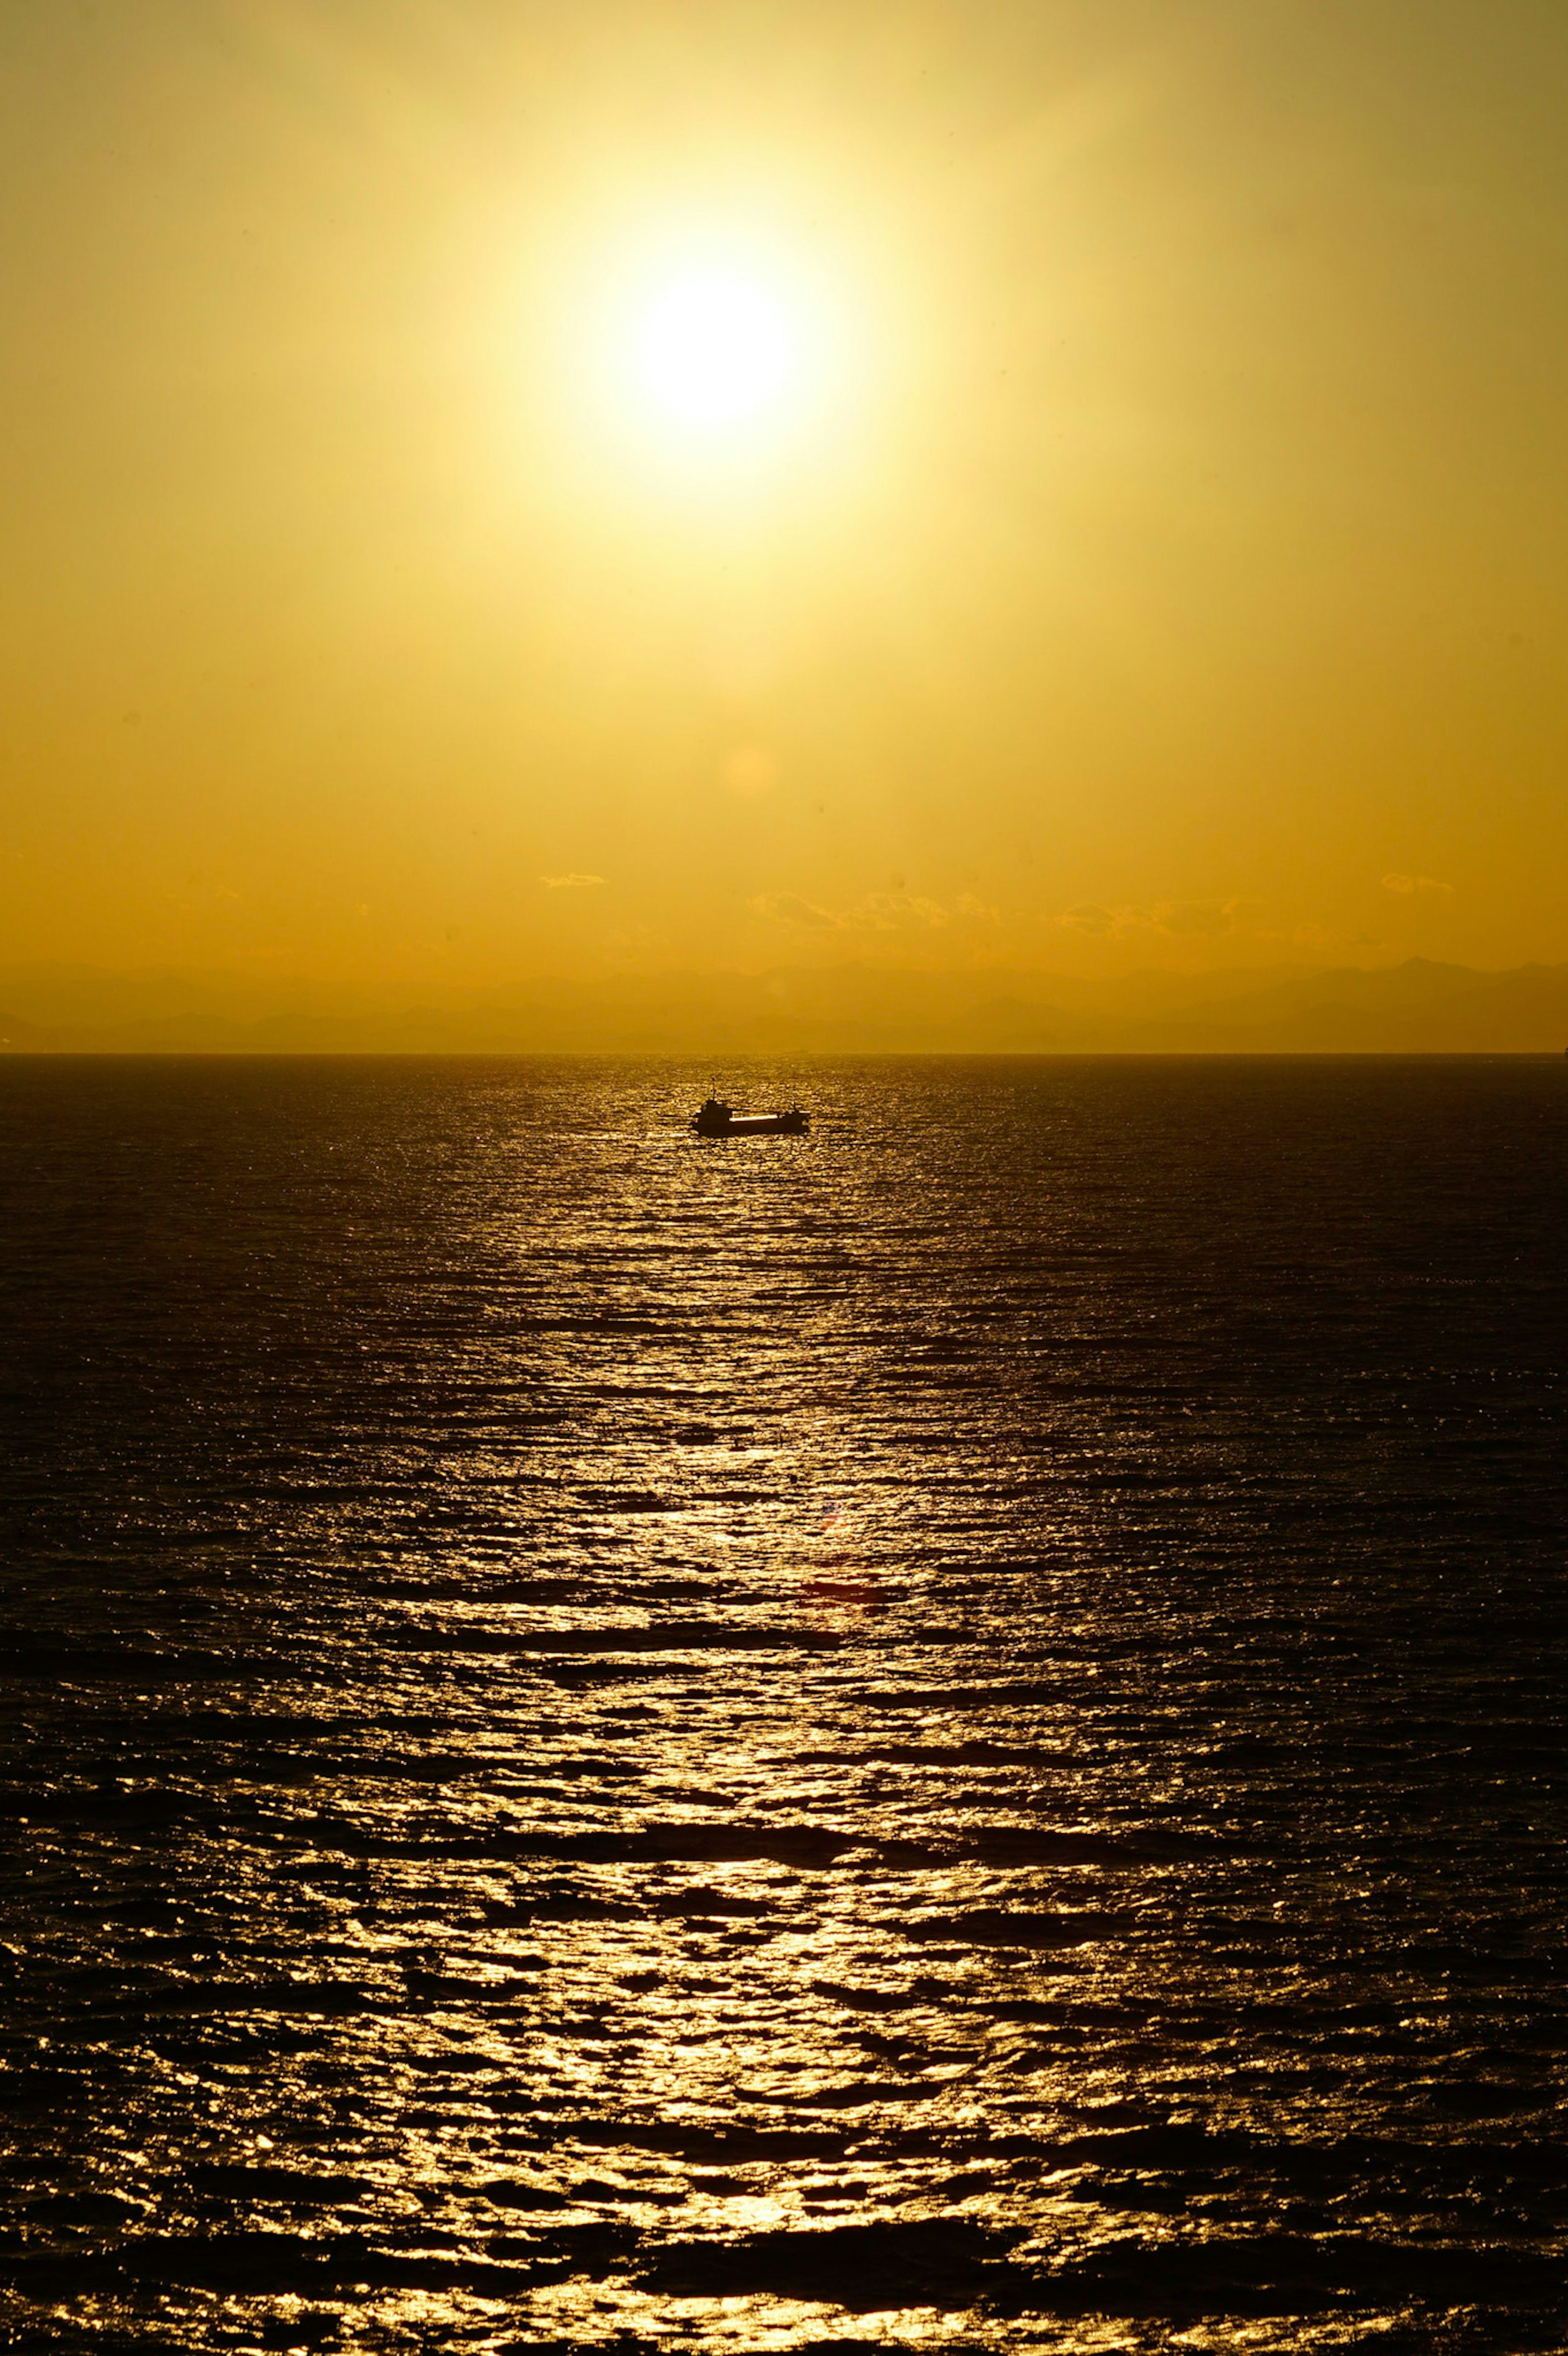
[{"x": 731, "y": 1814}]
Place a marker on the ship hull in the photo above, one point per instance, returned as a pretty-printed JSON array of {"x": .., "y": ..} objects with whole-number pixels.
[{"x": 753, "y": 1124}]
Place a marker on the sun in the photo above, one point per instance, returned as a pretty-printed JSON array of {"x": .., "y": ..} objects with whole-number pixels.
[
  {"x": 716, "y": 365},
  {"x": 714, "y": 349}
]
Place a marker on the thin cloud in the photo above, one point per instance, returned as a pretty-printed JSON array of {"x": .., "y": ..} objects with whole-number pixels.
[
  {"x": 788, "y": 909},
  {"x": 891, "y": 912},
  {"x": 1208, "y": 917},
  {"x": 1407, "y": 885},
  {"x": 878, "y": 912},
  {"x": 572, "y": 882},
  {"x": 1204, "y": 919},
  {"x": 1097, "y": 924}
]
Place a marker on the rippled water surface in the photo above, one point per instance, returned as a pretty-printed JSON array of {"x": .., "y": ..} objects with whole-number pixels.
[{"x": 949, "y": 1732}]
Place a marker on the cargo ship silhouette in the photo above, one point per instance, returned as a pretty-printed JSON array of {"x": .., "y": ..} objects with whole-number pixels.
[{"x": 716, "y": 1119}]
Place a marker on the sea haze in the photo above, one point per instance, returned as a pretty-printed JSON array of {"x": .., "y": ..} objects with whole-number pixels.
[
  {"x": 949, "y": 1730},
  {"x": 1416, "y": 1008}
]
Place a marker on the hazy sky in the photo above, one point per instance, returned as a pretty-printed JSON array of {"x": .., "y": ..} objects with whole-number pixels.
[{"x": 1139, "y": 539}]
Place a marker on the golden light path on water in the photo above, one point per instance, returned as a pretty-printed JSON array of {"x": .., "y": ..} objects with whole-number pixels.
[
  {"x": 804, "y": 1748},
  {"x": 760, "y": 1987}
]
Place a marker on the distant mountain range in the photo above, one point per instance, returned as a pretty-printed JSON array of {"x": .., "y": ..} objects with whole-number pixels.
[{"x": 1417, "y": 1008}]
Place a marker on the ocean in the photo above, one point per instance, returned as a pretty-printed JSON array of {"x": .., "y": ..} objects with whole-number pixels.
[{"x": 948, "y": 1732}]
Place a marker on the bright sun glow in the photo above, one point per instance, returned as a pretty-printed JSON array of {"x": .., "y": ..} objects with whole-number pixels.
[
  {"x": 713, "y": 349},
  {"x": 712, "y": 362}
]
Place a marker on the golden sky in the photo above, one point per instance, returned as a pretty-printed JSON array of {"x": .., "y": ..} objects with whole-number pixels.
[{"x": 496, "y": 488}]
